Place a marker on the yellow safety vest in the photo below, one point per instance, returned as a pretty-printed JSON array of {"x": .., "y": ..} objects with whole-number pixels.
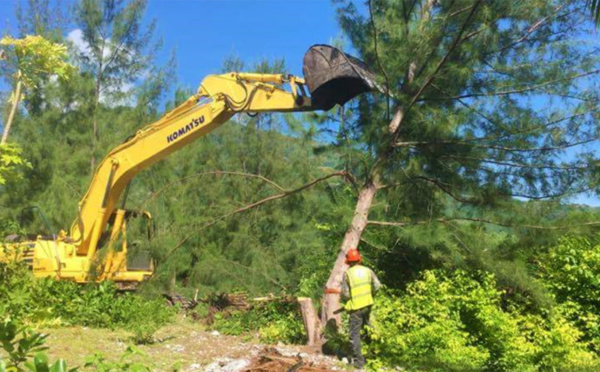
[{"x": 359, "y": 281}]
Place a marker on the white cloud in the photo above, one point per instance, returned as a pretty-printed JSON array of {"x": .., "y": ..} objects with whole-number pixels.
[
  {"x": 83, "y": 48},
  {"x": 76, "y": 38}
]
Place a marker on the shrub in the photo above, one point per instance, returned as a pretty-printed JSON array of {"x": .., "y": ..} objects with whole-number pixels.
[
  {"x": 456, "y": 322},
  {"x": 276, "y": 321},
  {"x": 571, "y": 272},
  {"x": 24, "y": 348},
  {"x": 98, "y": 362},
  {"x": 47, "y": 302}
]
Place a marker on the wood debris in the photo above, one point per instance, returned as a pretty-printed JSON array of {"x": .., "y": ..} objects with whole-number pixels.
[
  {"x": 271, "y": 360},
  {"x": 176, "y": 299}
]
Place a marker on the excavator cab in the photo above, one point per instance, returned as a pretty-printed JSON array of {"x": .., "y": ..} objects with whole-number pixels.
[
  {"x": 334, "y": 77},
  {"x": 123, "y": 253}
]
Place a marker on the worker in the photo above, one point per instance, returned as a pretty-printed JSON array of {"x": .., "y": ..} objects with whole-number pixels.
[{"x": 358, "y": 286}]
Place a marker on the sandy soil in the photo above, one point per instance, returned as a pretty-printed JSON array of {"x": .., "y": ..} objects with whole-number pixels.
[{"x": 182, "y": 346}]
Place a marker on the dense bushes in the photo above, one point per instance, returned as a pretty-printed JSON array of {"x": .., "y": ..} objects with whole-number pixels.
[
  {"x": 462, "y": 322},
  {"x": 454, "y": 320},
  {"x": 444, "y": 321},
  {"x": 273, "y": 322},
  {"x": 49, "y": 302},
  {"x": 571, "y": 273}
]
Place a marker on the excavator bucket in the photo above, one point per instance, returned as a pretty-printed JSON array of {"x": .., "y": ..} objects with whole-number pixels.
[{"x": 334, "y": 77}]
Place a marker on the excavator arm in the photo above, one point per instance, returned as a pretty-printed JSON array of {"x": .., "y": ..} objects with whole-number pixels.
[
  {"x": 217, "y": 100},
  {"x": 332, "y": 78}
]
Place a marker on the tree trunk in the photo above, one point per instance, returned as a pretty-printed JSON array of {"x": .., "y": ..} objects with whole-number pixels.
[
  {"x": 331, "y": 299},
  {"x": 312, "y": 324},
  {"x": 95, "y": 131},
  {"x": 172, "y": 282},
  {"x": 95, "y": 134},
  {"x": 13, "y": 111}
]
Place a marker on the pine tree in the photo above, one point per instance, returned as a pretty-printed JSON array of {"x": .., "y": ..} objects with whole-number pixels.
[
  {"x": 487, "y": 101},
  {"x": 118, "y": 50}
]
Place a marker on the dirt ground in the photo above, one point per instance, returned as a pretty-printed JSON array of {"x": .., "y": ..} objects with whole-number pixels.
[{"x": 181, "y": 346}]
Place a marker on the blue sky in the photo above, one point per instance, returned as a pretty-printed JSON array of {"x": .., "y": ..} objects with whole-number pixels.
[{"x": 205, "y": 32}]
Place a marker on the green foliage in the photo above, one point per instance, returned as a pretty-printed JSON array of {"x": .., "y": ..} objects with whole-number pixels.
[
  {"x": 594, "y": 6},
  {"x": 570, "y": 271},
  {"x": 471, "y": 133},
  {"x": 50, "y": 302},
  {"x": 462, "y": 322},
  {"x": 36, "y": 57},
  {"x": 274, "y": 321},
  {"x": 12, "y": 163},
  {"x": 99, "y": 363},
  {"x": 24, "y": 348}
]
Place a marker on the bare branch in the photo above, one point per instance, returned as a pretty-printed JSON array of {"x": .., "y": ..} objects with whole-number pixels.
[
  {"x": 532, "y": 29},
  {"x": 460, "y": 11},
  {"x": 511, "y": 91},
  {"x": 254, "y": 205},
  {"x": 481, "y": 220},
  {"x": 495, "y": 138},
  {"x": 387, "y": 79},
  {"x": 538, "y": 127},
  {"x": 472, "y": 200},
  {"x": 445, "y": 189},
  {"x": 516, "y": 165},
  {"x": 214, "y": 173},
  {"x": 418, "y": 144}
]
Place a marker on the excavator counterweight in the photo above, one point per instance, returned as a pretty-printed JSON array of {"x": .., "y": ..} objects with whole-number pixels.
[{"x": 334, "y": 77}]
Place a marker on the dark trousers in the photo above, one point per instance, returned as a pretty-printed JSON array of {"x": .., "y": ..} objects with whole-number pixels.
[{"x": 358, "y": 319}]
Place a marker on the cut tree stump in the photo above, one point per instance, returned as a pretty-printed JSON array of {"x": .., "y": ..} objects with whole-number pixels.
[{"x": 312, "y": 323}]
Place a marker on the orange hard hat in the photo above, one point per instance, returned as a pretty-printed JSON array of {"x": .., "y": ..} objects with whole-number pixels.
[{"x": 353, "y": 256}]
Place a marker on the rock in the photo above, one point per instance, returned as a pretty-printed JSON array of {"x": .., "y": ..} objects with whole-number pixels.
[
  {"x": 236, "y": 365},
  {"x": 215, "y": 333},
  {"x": 176, "y": 348},
  {"x": 227, "y": 365},
  {"x": 216, "y": 365}
]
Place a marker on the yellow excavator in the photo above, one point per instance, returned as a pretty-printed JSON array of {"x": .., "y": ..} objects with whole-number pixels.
[{"x": 95, "y": 248}]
